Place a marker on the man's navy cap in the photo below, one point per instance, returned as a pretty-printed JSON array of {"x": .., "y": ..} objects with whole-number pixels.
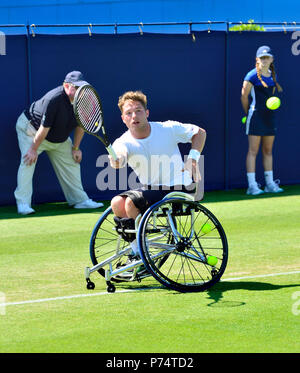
[
  {"x": 76, "y": 78},
  {"x": 264, "y": 51}
]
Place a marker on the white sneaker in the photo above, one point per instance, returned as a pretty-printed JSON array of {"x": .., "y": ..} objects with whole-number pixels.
[
  {"x": 273, "y": 187},
  {"x": 25, "y": 209},
  {"x": 88, "y": 204},
  {"x": 254, "y": 190}
]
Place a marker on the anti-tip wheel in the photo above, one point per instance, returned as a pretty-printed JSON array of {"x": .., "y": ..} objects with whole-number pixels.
[
  {"x": 90, "y": 285},
  {"x": 111, "y": 288}
]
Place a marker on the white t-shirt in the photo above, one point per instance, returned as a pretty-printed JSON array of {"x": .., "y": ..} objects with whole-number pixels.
[{"x": 156, "y": 160}]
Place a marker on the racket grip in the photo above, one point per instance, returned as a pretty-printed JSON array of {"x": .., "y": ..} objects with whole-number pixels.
[{"x": 112, "y": 152}]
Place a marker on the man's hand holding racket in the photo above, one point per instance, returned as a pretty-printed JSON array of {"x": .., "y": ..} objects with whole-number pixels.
[
  {"x": 117, "y": 163},
  {"x": 121, "y": 157}
]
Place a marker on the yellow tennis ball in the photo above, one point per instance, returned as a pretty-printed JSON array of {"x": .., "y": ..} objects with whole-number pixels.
[
  {"x": 244, "y": 119},
  {"x": 273, "y": 103},
  {"x": 96, "y": 124},
  {"x": 212, "y": 260}
]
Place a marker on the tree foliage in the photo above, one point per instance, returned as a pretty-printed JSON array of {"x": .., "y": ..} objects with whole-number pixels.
[{"x": 250, "y": 26}]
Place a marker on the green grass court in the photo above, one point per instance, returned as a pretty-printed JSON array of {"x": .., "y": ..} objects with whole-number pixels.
[{"x": 45, "y": 306}]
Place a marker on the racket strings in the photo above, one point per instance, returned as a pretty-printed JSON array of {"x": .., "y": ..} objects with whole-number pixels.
[
  {"x": 89, "y": 115},
  {"x": 89, "y": 111}
]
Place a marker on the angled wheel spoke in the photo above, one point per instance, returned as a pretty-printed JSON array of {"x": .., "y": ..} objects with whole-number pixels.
[{"x": 186, "y": 267}]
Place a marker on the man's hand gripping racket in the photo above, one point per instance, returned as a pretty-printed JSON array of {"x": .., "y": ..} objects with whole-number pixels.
[{"x": 89, "y": 115}]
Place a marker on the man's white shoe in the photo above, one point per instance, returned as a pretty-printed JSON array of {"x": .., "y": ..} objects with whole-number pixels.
[
  {"x": 88, "y": 204},
  {"x": 25, "y": 209},
  {"x": 273, "y": 187},
  {"x": 254, "y": 190}
]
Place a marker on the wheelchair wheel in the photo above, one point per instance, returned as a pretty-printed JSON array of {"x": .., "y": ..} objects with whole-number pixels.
[
  {"x": 105, "y": 242},
  {"x": 187, "y": 241}
]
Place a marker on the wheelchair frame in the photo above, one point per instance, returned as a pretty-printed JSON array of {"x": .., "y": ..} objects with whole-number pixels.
[{"x": 150, "y": 264}]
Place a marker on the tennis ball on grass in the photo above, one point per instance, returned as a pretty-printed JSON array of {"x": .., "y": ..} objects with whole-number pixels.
[
  {"x": 273, "y": 103},
  {"x": 206, "y": 228},
  {"x": 212, "y": 260}
]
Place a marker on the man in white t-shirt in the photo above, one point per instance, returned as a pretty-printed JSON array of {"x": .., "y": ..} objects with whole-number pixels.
[{"x": 151, "y": 150}]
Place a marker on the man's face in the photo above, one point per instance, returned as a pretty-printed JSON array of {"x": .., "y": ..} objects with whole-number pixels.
[
  {"x": 70, "y": 90},
  {"x": 135, "y": 116}
]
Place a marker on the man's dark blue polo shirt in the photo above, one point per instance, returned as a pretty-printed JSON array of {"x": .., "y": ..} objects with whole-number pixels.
[{"x": 53, "y": 110}]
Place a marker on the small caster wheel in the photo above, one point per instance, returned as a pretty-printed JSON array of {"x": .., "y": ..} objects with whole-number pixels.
[
  {"x": 111, "y": 288},
  {"x": 214, "y": 272},
  {"x": 90, "y": 285}
]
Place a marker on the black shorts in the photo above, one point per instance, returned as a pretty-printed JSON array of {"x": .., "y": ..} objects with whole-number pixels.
[{"x": 145, "y": 197}]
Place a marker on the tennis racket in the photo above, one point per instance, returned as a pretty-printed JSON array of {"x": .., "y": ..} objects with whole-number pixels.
[{"x": 89, "y": 115}]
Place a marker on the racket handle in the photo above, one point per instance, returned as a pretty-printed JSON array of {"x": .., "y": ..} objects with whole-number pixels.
[{"x": 112, "y": 152}]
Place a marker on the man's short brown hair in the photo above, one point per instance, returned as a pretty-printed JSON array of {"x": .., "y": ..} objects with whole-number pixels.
[{"x": 133, "y": 96}]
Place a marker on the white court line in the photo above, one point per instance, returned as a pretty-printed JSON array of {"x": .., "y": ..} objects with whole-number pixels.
[
  {"x": 259, "y": 276},
  {"x": 133, "y": 290}
]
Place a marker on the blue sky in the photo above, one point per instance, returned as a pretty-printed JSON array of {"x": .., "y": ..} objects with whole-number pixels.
[{"x": 120, "y": 11}]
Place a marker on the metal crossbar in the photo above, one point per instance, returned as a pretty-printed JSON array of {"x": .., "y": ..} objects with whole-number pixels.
[{"x": 32, "y": 28}]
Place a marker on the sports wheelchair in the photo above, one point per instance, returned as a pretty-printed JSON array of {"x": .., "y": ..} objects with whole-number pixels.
[{"x": 181, "y": 244}]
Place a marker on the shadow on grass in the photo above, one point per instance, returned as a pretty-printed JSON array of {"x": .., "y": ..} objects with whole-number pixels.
[
  {"x": 215, "y": 294},
  {"x": 217, "y": 291}
]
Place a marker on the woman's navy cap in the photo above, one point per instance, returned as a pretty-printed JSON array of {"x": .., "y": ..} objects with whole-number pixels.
[{"x": 264, "y": 51}]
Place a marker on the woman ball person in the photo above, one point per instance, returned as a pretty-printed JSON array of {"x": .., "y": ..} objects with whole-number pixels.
[{"x": 261, "y": 84}]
